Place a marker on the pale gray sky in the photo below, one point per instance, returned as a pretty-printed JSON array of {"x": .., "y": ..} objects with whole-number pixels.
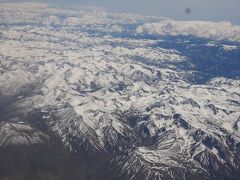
[{"x": 215, "y": 10}]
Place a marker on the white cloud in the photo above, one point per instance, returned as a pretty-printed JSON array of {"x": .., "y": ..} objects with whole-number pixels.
[
  {"x": 116, "y": 28},
  {"x": 71, "y": 21},
  {"x": 229, "y": 48},
  {"x": 51, "y": 20},
  {"x": 42, "y": 14},
  {"x": 203, "y": 29}
]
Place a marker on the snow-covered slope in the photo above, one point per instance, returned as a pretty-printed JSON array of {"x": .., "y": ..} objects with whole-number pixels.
[
  {"x": 106, "y": 91},
  {"x": 20, "y": 134}
]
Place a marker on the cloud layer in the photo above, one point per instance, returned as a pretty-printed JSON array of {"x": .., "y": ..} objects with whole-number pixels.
[
  {"x": 202, "y": 29},
  {"x": 44, "y": 15}
]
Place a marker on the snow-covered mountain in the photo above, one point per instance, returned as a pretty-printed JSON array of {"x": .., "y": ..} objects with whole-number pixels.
[{"x": 162, "y": 107}]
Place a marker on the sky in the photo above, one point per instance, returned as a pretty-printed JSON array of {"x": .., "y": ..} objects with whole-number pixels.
[{"x": 211, "y": 10}]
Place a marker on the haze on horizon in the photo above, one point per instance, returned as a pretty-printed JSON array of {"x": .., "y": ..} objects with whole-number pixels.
[{"x": 209, "y": 10}]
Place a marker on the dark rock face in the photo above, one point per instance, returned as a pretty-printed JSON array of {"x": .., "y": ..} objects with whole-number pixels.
[{"x": 50, "y": 161}]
